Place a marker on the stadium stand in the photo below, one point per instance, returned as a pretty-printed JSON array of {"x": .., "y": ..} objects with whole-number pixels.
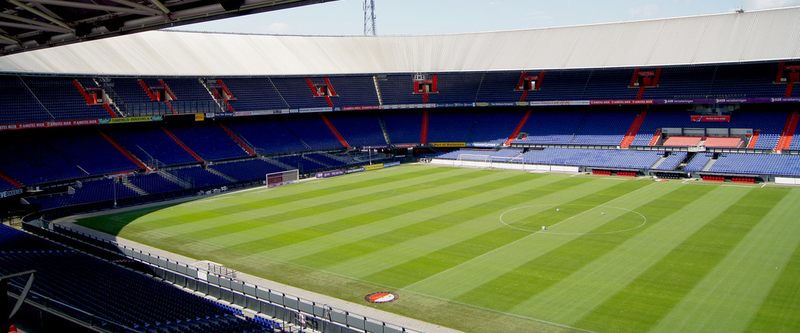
[
  {"x": 254, "y": 94},
  {"x": 246, "y": 171},
  {"x": 623, "y": 159},
  {"x": 698, "y": 162},
  {"x": 768, "y": 164},
  {"x": 85, "y": 192},
  {"x": 305, "y": 165},
  {"x": 268, "y": 135},
  {"x": 682, "y": 141},
  {"x": 577, "y": 127},
  {"x": 770, "y": 124},
  {"x": 209, "y": 141},
  {"x": 19, "y": 103},
  {"x": 151, "y": 145},
  {"x": 154, "y": 183},
  {"x": 671, "y": 161},
  {"x": 354, "y": 91},
  {"x": 198, "y": 177},
  {"x": 124, "y": 300},
  {"x": 60, "y": 98},
  {"x": 359, "y": 129},
  {"x": 297, "y": 93},
  {"x": 402, "y": 127}
]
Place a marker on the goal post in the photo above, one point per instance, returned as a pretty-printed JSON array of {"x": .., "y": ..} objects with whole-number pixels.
[{"x": 281, "y": 178}]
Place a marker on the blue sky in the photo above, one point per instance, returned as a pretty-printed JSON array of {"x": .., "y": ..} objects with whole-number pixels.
[{"x": 410, "y": 17}]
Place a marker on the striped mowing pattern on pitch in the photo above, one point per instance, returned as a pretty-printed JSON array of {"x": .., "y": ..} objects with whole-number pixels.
[{"x": 628, "y": 256}]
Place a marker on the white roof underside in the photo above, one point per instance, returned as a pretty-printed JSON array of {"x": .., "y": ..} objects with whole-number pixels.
[{"x": 723, "y": 38}]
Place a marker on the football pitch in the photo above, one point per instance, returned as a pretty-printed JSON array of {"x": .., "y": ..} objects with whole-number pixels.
[{"x": 491, "y": 250}]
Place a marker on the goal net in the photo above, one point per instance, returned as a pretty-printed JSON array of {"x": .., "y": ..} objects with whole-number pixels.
[{"x": 282, "y": 178}]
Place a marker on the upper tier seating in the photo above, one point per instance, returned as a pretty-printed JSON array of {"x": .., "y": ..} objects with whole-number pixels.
[
  {"x": 296, "y": 92},
  {"x": 726, "y": 81},
  {"x": 18, "y": 104},
  {"x": 114, "y": 294},
  {"x": 398, "y": 89},
  {"x": 456, "y": 88},
  {"x": 255, "y": 94},
  {"x": 188, "y": 89},
  {"x": 133, "y": 100},
  {"x": 354, "y": 90},
  {"x": 498, "y": 87},
  {"x": 62, "y": 100}
]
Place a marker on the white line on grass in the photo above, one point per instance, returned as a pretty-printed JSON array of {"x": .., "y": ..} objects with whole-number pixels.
[
  {"x": 387, "y": 287},
  {"x": 644, "y": 220}
]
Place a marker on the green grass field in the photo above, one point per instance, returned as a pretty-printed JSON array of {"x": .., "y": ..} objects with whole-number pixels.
[{"x": 464, "y": 247}]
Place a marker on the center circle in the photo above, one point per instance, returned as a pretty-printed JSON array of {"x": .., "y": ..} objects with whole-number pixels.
[{"x": 546, "y": 218}]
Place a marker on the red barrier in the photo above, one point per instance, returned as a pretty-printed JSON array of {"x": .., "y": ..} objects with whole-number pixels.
[{"x": 708, "y": 178}]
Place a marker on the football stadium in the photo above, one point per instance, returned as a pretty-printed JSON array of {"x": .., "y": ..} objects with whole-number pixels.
[{"x": 637, "y": 176}]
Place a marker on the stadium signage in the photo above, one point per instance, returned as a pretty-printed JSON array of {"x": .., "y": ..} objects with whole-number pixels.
[
  {"x": 391, "y": 164},
  {"x": 354, "y": 170},
  {"x": 6, "y": 194},
  {"x": 371, "y": 167},
  {"x": 381, "y": 297},
  {"x": 448, "y": 144},
  {"x": 710, "y": 119},
  {"x": 49, "y": 124},
  {"x": 330, "y": 173},
  {"x": 138, "y": 119}
]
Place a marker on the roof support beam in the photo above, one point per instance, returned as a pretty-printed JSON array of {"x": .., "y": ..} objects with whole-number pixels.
[
  {"x": 41, "y": 14},
  {"x": 160, "y": 6},
  {"x": 29, "y": 21},
  {"x": 6, "y": 39},
  {"x": 138, "y": 6},
  {"x": 82, "y": 5},
  {"x": 50, "y": 28}
]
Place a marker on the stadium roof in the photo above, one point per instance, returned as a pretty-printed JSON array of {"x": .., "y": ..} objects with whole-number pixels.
[
  {"x": 710, "y": 39},
  {"x": 34, "y": 24}
]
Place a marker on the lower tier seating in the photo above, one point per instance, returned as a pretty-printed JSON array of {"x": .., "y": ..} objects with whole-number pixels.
[{"x": 123, "y": 299}]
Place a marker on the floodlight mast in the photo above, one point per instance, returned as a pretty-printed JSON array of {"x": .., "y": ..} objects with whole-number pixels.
[{"x": 369, "y": 18}]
